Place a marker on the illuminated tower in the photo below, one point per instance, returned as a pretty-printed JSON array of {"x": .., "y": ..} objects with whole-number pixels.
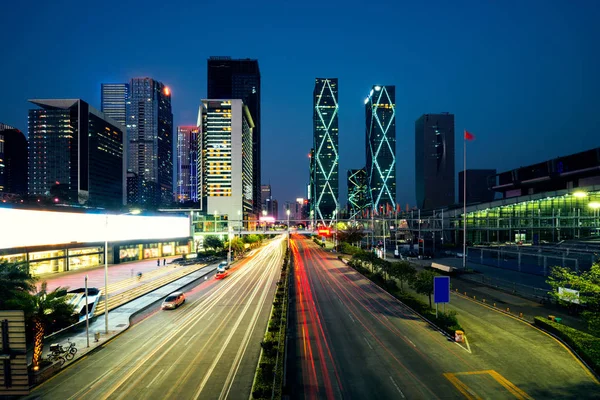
[
  {"x": 325, "y": 144},
  {"x": 357, "y": 192},
  {"x": 380, "y": 108}
]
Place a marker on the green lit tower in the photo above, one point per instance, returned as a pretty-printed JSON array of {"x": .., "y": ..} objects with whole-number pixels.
[
  {"x": 380, "y": 108},
  {"x": 326, "y": 155},
  {"x": 357, "y": 192}
]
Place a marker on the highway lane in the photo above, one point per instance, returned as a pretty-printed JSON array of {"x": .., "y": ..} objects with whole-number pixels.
[
  {"x": 353, "y": 340},
  {"x": 208, "y": 348}
]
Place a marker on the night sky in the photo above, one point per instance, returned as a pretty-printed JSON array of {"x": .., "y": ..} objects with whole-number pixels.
[{"x": 523, "y": 76}]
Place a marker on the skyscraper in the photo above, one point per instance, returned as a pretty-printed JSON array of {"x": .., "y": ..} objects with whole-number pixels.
[
  {"x": 240, "y": 79},
  {"x": 434, "y": 160},
  {"x": 357, "y": 192},
  {"x": 76, "y": 152},
  {"x": 150, "y": 142},
  {"x": 13, "y": 161},
  {"x": 265, "y": 195},
  {"x": 325, "y": 144},
  {"x": 187, "y": 163},
  {"x": 114, "y": 101},
  {"x": 226, "y": 162},
  {"x": 380, "y": 108}
]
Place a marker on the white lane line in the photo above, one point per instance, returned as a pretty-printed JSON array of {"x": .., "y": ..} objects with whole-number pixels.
[
  {"x": 190, "y": 339},
  {"x": 155, "y": 378},
  {"x": 397, "y": 387},
  {"x": 406, "y": 337},
  {"x": 369, "y": 344},
  {"x": 211, "y": 316},
  {"x": 351, "y": 318}
]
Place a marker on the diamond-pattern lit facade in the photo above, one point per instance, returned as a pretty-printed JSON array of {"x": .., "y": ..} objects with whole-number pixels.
[
  {"x": 357, "y": 192},
  {"x": 381, "y": 147},
  {"x": 326, "y": 155}
]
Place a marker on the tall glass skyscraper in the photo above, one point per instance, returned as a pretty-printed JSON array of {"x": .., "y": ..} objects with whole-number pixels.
[
  {"x": 380, "y": 108},
  {"x": 434, "y": 160},
  {"x": 325, "y": 144},
  {"x": 114, "y": 101},
  {"x": 150, "y": 143},
  {"x": 76, "y": 151},
  {"x": 357, "y": 192},
  {"x": 13, "y": 160},
  {"x": 187, "y": 163},
  {"x": 240, "y": 79}
]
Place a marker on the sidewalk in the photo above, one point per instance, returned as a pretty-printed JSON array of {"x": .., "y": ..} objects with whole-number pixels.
[{"x": 118, "y": 319}]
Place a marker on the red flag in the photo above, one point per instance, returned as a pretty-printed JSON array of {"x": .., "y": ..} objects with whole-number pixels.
[{"x": 469, "y": 135}]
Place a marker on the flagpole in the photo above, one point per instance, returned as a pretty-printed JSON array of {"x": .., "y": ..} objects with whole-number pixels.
[{"x": 465, "y": 202}]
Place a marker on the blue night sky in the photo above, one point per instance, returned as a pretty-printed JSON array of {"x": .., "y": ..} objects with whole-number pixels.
[{"x": 523, "y": 76}]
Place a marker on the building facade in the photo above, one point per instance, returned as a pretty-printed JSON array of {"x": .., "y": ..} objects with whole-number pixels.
[
  {"x": 75, "y": 154},
  {"x": 357, "y": 192},
  {"x": 478, "y": 185},
  {"x": 114, "y": 101},
  {"x": 226, "y": 163},
  {"x": 13, "y": 161},
  {"x": 188, "y": 138},
  {"x": 326, "y": 150},
  {"x": 434, "y": 160},
  {"x": 380, "y": 108},
  {"x": 150, "y": 142},
  {"x": 240, "y": 79}
]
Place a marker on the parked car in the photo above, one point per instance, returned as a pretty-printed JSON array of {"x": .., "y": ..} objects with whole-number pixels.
[{"x": 173, "y": 301}]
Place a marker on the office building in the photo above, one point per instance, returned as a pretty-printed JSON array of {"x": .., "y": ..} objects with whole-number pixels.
[
  {"x": 240, "y": 79},
  {"x": 265, "y": 194},
  {"x": 357, "y": 192},
  {"x": 478, "y": 185},
  {"x": 310, "y": 190},
  {"x": 188, "y": 138},
  {"x": 75, "y": 154},
  {"x": 13, "y": 161},
  {"x": 114, "y": 101},
  {"x": 325, "y": 145},
  {"x": 434, "y": 160},
  {"x": 226, "y": 162},
  {"x": 150, "y": 142},
  {"x": 380, "y": 107}
]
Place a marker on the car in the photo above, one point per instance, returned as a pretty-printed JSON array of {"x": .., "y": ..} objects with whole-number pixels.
[
  {"x": 173, "y": 301},
  {"x": 223, "y": 265},
  {"x": 221, "y": 274}
]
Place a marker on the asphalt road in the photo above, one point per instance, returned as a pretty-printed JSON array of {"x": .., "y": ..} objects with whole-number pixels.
[
  {"x": 350, "y": 339},
  {"x": 208, "y": 348}
]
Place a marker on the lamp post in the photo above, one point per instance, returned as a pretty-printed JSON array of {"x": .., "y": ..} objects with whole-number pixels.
[
  {"x": 288, "y": 226},
  {"x": 230, "y": 238},
  {"x": 215, "y": 214},
  {"x": 133, "y": 212},
  {"x": 241, "y": 221}
]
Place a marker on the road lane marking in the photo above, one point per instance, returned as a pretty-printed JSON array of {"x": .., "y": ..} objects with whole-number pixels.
[
  {"x": 351, "y": 318},
  {"x": 461, "y": 386},
  {"x": 211, "y": 316},
  {"x": 369, "y": 344},
  {"x": 397, "y": 387},
  {"x": 190, "y": 339},
  {"x": 406, "y": 337},
  {"x": 155, "y": 378}
]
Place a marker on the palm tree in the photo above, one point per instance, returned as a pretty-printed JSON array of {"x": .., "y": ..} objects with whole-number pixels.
[
  {"x": 43, "y": 312},
  {"x": 14, "y": 278}
]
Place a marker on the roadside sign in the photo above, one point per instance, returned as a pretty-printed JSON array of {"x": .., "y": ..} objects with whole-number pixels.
[{"x": 441, "y": 289}]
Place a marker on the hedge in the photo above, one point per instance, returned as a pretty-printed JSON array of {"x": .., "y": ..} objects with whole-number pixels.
[{"x": 585, "y": 345}]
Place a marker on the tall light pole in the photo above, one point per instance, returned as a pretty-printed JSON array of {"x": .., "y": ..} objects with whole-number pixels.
[
  {"x": 216, "y": 212},
  {"x": 230, "y": 238},
  {"x": 134, "y": 212},
  {"x": 288, "y": 226}
]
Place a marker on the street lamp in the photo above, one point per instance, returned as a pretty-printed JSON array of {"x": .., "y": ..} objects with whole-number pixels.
[
  {"x": 288, "y": 226},
  {"x": 241, "y": 221},
  {"x": 216, "y": 212},
  {"x": 132, "y": 212},
  {"x": 230, "y": 236}
]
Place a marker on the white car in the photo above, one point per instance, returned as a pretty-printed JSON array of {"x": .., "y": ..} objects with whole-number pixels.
[{"x": 173, "y": 301}]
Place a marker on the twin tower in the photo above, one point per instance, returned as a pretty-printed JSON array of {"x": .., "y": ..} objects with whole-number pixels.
[{"x": 370, "y": 189}]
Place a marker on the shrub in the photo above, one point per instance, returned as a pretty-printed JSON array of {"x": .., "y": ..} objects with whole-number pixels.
[{"x": 584, "y": 344}]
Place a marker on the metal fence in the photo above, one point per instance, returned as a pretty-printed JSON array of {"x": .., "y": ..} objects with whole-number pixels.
[
  {"x": 531, "y": 292},
  {"x": 531, "y": 263}
]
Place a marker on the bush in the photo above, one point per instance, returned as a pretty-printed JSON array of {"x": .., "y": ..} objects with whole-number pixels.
[
  {"x": 348, "y": 249},
  {"x": 584, "y": 344}
]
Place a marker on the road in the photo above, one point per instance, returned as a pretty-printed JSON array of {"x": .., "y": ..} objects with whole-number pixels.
[
  {"x": 208, "y": 348},
  {"x": 353, "y": 340}
]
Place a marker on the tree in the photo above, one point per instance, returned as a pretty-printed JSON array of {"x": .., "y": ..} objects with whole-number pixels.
[
  {"x": 237, "y": 246},
  {"x": 423, "y": 283},
  {"x": 252, "y": 239},
  {"x": 587, "y": 285},
  {"x": 14, "y": 278},
  {"x": 404, "y": 272},
  {"x": 351, "y": 234},
  {"x": 213, "y": 242},
  {"x": 44, "y": 312}
]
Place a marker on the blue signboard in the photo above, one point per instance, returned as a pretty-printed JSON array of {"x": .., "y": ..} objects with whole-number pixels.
[{"x": 441, "y": 289}]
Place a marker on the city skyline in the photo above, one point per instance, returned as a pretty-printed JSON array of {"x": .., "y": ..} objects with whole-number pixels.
[{"x": 480, "y": 86}]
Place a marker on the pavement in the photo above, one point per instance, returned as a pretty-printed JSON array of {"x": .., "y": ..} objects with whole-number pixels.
[
  {"x": 351, "y": 339},
  {"x": 207, "y": 348}
]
